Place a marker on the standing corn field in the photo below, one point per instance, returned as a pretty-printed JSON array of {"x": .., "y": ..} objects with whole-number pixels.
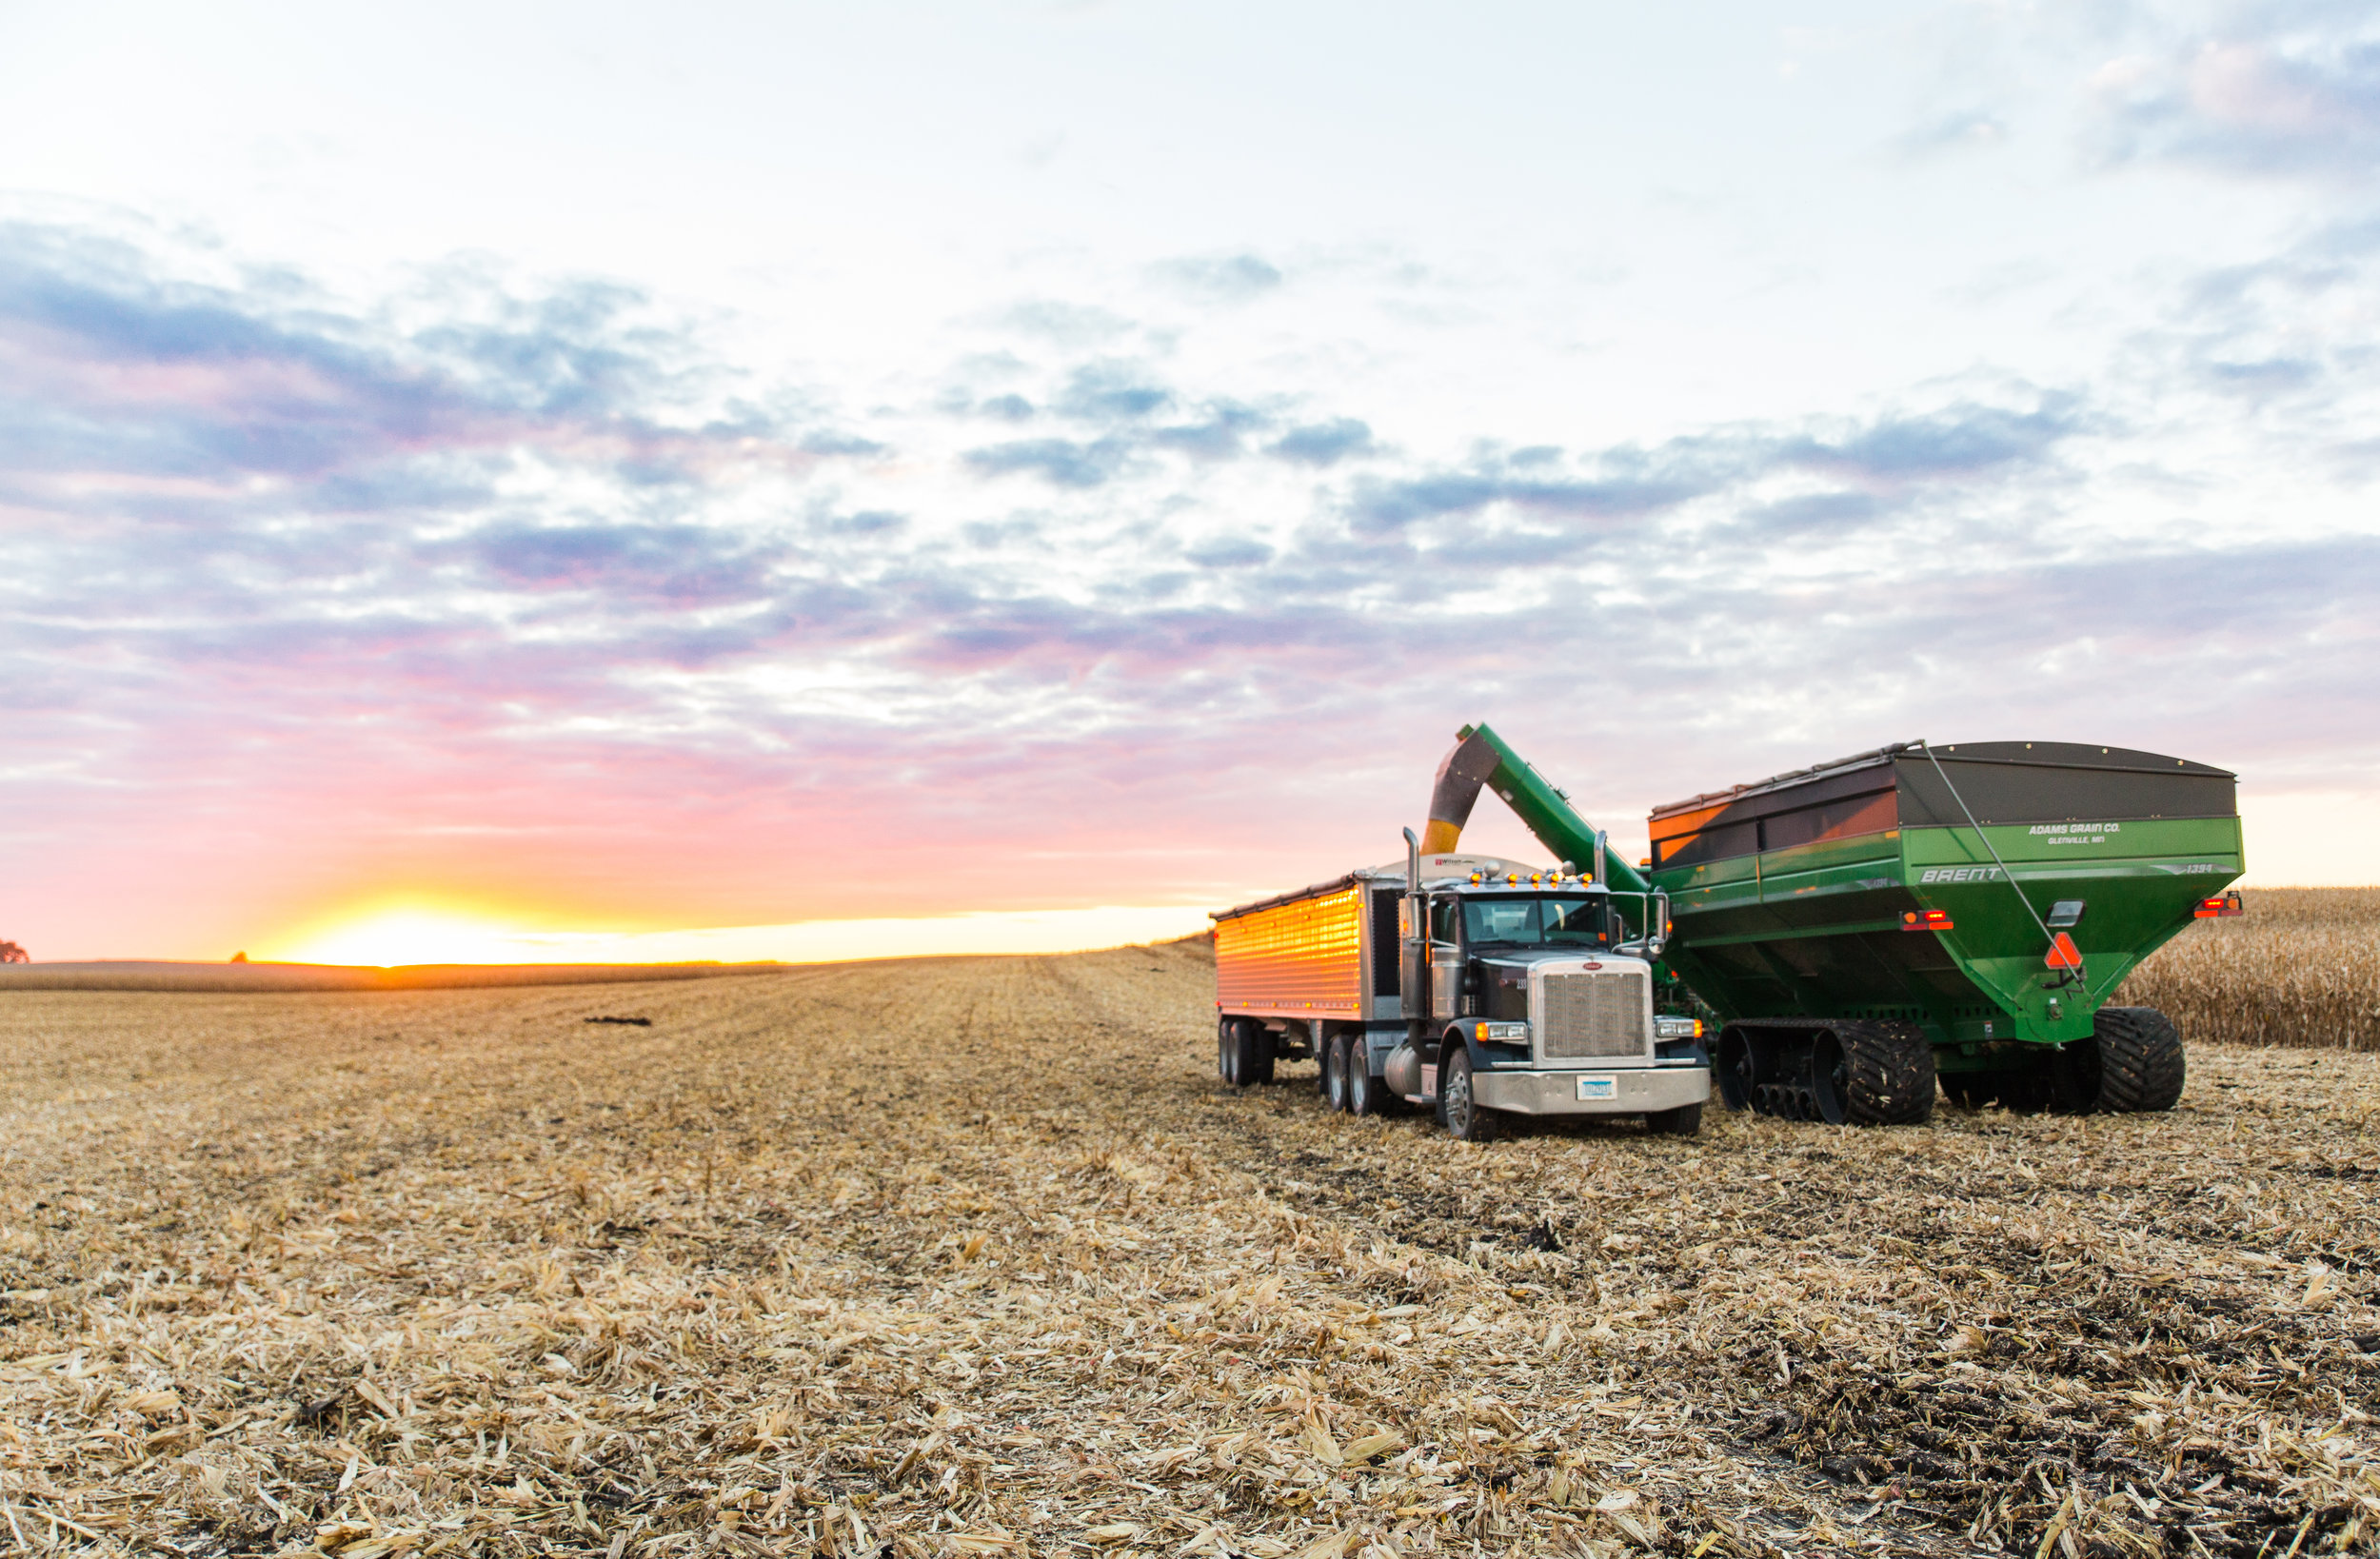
[{"x": 2301, "y": 968}]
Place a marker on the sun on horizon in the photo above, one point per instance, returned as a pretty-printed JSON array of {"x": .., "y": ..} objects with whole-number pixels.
[{"x": 393, "y": 936}]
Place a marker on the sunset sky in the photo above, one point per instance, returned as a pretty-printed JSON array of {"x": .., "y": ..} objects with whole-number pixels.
[{"x": 592, "y": 481}]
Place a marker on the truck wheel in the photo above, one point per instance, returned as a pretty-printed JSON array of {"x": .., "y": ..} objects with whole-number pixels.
[
  {"x": 2141, "y": 1065},
  {"x": 1366, "y": 1094},
  {"x": 1686, "y": 1120},
  {"x": 1467, "y": 1121},
  {"x": 1226, "y": 1048},
  {"x": 1884, "y": 1075},
  {"x": 1335, "y": 1072}
]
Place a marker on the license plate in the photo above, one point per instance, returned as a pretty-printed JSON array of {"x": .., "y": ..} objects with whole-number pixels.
[{"x": 1599, "y": 1088}]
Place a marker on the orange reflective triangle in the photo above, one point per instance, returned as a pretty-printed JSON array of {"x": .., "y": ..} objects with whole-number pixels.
[{"x": 2063, "y": 953}]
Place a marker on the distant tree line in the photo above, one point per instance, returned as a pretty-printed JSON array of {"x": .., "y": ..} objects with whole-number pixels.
[{"x": 11, "y": 953}]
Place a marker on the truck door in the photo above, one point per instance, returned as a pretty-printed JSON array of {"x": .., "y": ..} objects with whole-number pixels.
[
  {"x": 1413, "y": 913},
  {"x": 1445, "y": 958}
]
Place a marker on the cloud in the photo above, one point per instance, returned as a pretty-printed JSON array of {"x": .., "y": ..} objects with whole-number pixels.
[
  {"x": 673, "y": 565},
  {"x": 1215, "y": 436},
  {"x": 1062, "y": 461},
  {"x": 840, "y": 443},
  {"x": 1969, "y": 130},
  {"x": 1112, "y": 391},
  {"x": 326, "y": 585},
  {"x": 2277, "y": 96},
  {"x": 1067, "y": 323},
  {"x": 1964, "y": 438},
  {"x": 1323, "y": 444},
  {"x": 1229, "y": 552},
  {"x": 1226, "y": 279}
]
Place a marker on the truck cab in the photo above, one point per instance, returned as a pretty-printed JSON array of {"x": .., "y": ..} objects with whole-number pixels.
[{"x": 1523, "y": 994}]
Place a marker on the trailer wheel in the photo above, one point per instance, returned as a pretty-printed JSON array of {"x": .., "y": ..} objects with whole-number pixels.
[
  {"x": 1685, "y": 1120},
  {"x": 1335, "y": 1072},
  {"x": 1467, "y": 1121},
  {"x": 1247, "y": 1054},
  {"x": 1256, "y": 1062},
  {"x": 1885, "y": 1075},
  {"x": 1226, "y": 1041},
  {"x": 2141, "y": 1064}
]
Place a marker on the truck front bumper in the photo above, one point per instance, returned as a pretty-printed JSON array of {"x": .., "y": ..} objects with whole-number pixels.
[{"x": 1618, "y": 1091}]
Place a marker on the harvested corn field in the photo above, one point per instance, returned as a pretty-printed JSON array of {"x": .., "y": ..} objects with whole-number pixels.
[
  {"x": 2301, "y": 967},
  {"x": 978, "y": 1256}
]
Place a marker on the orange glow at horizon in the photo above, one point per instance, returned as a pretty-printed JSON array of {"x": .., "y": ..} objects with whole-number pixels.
[{"x": 417, "y": 934}]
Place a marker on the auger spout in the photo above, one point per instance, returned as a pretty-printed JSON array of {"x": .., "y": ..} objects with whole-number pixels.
[{"x": 1480, "y": 756}]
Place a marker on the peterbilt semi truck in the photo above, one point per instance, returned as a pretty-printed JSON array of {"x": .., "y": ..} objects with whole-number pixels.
[{"x": 1474, "y": 986}]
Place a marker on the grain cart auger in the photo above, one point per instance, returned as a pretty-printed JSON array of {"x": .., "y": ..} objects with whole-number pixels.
[{"x": 1863, "y": 928}]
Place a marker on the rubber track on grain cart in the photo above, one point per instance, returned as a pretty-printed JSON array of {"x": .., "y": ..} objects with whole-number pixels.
[{"x": 1863, "y": 928}]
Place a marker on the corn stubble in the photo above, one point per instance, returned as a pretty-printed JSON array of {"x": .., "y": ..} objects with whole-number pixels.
[
  {"x": 2300, "y": 968},
  {"x": 977, "y": 1258}
]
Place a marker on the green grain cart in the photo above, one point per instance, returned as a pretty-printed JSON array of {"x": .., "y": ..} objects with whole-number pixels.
[{"x": 1863, "y": 928}]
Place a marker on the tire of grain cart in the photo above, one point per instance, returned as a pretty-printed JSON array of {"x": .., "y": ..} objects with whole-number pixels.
[
  {"x": 1227, "y": 1049},
  {"x": 2141, "y": 1064},
  {"x": 1467, "y": 1121},
  {"x": 1886, "y": 1076},
  {"x": 1685, "y": 1120},
  {"x": 1830, "y": 1077},
  {"x": 1335, "y": 1072},
  {"x": 1738, "y": 1070}
]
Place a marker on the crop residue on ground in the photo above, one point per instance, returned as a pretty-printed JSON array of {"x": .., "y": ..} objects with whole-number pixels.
[{"x": 978, "y": 1256}]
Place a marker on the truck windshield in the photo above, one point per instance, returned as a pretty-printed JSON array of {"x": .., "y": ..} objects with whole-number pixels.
[{"x": 1534, "y": 921}]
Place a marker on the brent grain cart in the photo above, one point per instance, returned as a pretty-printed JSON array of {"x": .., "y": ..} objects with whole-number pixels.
[{"x": 1863, "y": 928}]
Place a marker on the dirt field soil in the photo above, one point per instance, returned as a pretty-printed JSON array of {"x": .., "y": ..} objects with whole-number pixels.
[{"x": 978, "y": 1257}]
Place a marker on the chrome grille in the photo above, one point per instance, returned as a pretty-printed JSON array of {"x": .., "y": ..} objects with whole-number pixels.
[{"x": 1594, "y": 1015}]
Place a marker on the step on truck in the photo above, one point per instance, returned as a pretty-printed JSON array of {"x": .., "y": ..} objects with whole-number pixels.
[
  {"x": 1861, "y": 932},
  {"x": 1473, "y": 986}
]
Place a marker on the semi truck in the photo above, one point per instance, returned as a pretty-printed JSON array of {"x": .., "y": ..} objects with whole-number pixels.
[
  {"x": 1863, "y": 932},
  {"x": 1473, "y": 985}
]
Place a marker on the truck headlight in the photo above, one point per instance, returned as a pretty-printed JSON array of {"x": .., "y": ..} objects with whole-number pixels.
[
  {"x": 1678, "y": 1028},
  {"x": 1500, "y": 1034}
]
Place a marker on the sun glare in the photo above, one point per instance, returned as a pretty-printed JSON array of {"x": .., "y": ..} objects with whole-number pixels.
[
  {"x": 415, "y": 935},
  {"x": 404, "y": 936}
]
